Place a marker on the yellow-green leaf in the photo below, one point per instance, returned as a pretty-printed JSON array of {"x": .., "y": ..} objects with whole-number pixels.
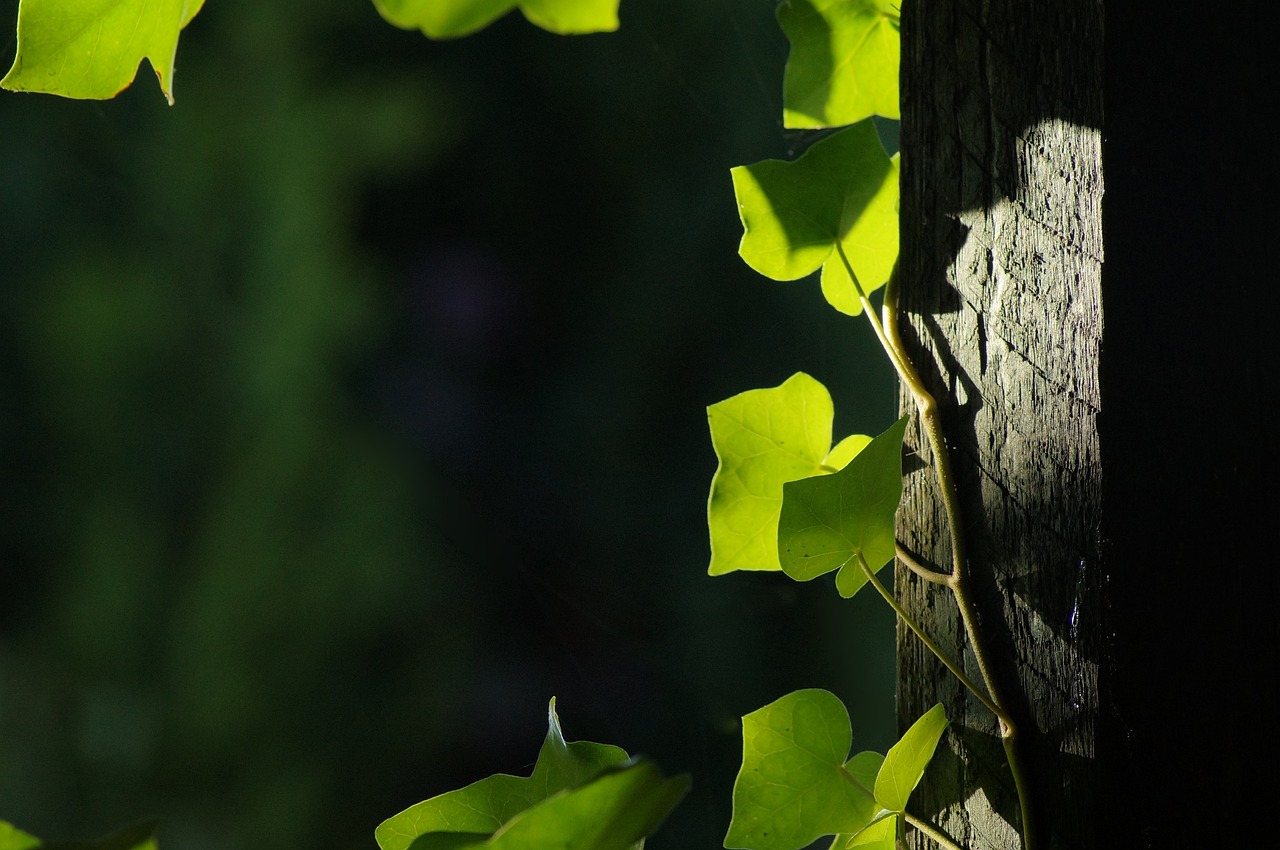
[
  {"x": 827, "y": 521},
  {"x": 91, "y": 49},
  {"x": 795, "y": 784},
  {"x": 764, "y": 439},
  {"x": 844, "y": 61},
  {"x": 906, "y": 760},
  {"x": 838, "y": 201},
  {"x": 456, "y": 18}
]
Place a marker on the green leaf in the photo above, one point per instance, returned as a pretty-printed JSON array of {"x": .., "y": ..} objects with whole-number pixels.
[
  {"x": 906, "y": 760},
  {"x": 881, "y": 835},
  {"x": 795, "y": 784},
  {"x": 844, "y": 61},
  {"x": 765, "y": 438},
  {"x": 140, "y": 836},
  {"x": 12, "y": 838},
  {"x": 92, "y": 48},
  {"x": 481, "y": 808},
  {"x": 828, "y": 520},
  {"x": 615, "y": 810},
  {"x": 455, "y": 18},
  {"x": 843, "y": 191}
]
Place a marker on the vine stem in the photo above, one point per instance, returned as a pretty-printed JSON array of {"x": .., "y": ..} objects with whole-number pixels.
[
  {"x": 928, "y": 641},
  {"x": 927, "y": 406}
]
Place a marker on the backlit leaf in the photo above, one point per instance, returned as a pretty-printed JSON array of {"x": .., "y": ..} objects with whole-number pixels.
[
  {"x": 906, "y": 760},
  {"x": 844, "y": 61},
  {"x": 454, "y": 18},
  {"x": 765, "y": 438},
  {"x": 481, "y": 808},
  {"x": 797, "y": 782},
  {"x": 613, "y": 811},
  {"x": 92, "y": 48},
  {"x": 881, "y": 835},
  {"x": 12, "y": 838},
  {"x": 827, "y": 520},
  {"x": 843, "y": 191}
]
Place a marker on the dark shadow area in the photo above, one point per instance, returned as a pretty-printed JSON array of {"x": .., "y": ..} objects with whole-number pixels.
[{"x": 1189, "y": 429}]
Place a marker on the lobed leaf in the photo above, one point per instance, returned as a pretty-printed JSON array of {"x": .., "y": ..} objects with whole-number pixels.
[
  {"x": 456, "y": 18},
  {"x": 92, "y": 48},
  {"x": 481, "y": 808},
  {"x": 826, "y": 521},
  {"x": 844, "y": 61},
  {"x": 763, "y": 439},
  {"x": 906, "y": 760},
  {"x": 795, "y": 784},
  {"x": 839, "y": 197},
  {"x": 615, "y": 810}
]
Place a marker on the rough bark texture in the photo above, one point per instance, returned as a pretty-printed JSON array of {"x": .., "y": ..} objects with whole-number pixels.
[{"x": 1002, "y": 313}]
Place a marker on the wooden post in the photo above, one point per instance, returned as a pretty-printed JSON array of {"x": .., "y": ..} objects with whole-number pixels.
[{"x": 1000, "y": 277}]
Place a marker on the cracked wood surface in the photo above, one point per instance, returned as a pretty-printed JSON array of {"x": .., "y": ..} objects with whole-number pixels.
[{"x": 1000, "y": 291}]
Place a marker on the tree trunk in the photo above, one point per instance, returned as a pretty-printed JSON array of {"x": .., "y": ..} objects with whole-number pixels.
[
  {"x": 1001, "y": 275},
  {"x": 1116, "y": 526}
]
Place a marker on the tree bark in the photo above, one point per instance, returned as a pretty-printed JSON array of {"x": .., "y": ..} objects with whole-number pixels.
[{"x": 1000, "y": 277}]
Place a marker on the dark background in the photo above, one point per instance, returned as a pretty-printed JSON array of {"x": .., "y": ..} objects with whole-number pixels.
[{"x": 355, "y": 406}]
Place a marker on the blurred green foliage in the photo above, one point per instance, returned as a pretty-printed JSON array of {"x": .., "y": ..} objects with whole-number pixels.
[{"x": 355, "y": 406}]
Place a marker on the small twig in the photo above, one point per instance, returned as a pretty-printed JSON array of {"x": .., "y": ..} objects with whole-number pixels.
[
  {"x": 927, "y": 573},
  {"x": 929, "y": 642}
]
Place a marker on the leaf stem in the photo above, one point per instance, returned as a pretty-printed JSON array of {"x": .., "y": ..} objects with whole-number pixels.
[
  {"x": 929, "y": 830},
  {"x": 927, "y": 573},
  {"x": 891, "y": 340},
  {"x": 928, "y": 641}
]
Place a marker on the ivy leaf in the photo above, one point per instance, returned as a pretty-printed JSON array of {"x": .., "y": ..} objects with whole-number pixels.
[
  {"x": 843, "y": 191},
  {"x": 827, "y": 520},
  {"x": 140, "y": 836},
  {"x": 763, "y": 439},
  {"x": 92, "y": 48},
  {"x": 844, "y": 61},
  {"x": 455, "y": 18},
  {"x": 795, "y": 784},
  {"x": 613, "y": 811},
  {"x": 12, "y": 838},
  {"x": 881, "y": 835},
  {"x": 481, "y": 808},
  {"x": 906, "y": 760}
]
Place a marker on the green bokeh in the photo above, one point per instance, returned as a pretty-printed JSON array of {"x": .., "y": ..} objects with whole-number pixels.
[{"x": 355, "y": 405}]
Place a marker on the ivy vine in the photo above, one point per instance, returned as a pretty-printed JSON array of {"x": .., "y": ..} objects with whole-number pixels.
[{"x": 784, "y": 497}]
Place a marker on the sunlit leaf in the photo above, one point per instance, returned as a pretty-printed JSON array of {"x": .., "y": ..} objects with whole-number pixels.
[
  {"x": 481, "y": 808},
  {"x": 613, "y": 811},
  {"x": 92, "y": 48},
  {"x": 844, "y": 61},
  {"x": 797, "y": 782},
  {"x": 881, "y": 835},
  {"x": 906, "y": 760},
  {"x": 12, "y": 838},
  {"x": 455, "y": 18},
  {"x": 827, "y": 520},
  {"x": 842, "y": 192},
  {"x": 765, "y": 438}
]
